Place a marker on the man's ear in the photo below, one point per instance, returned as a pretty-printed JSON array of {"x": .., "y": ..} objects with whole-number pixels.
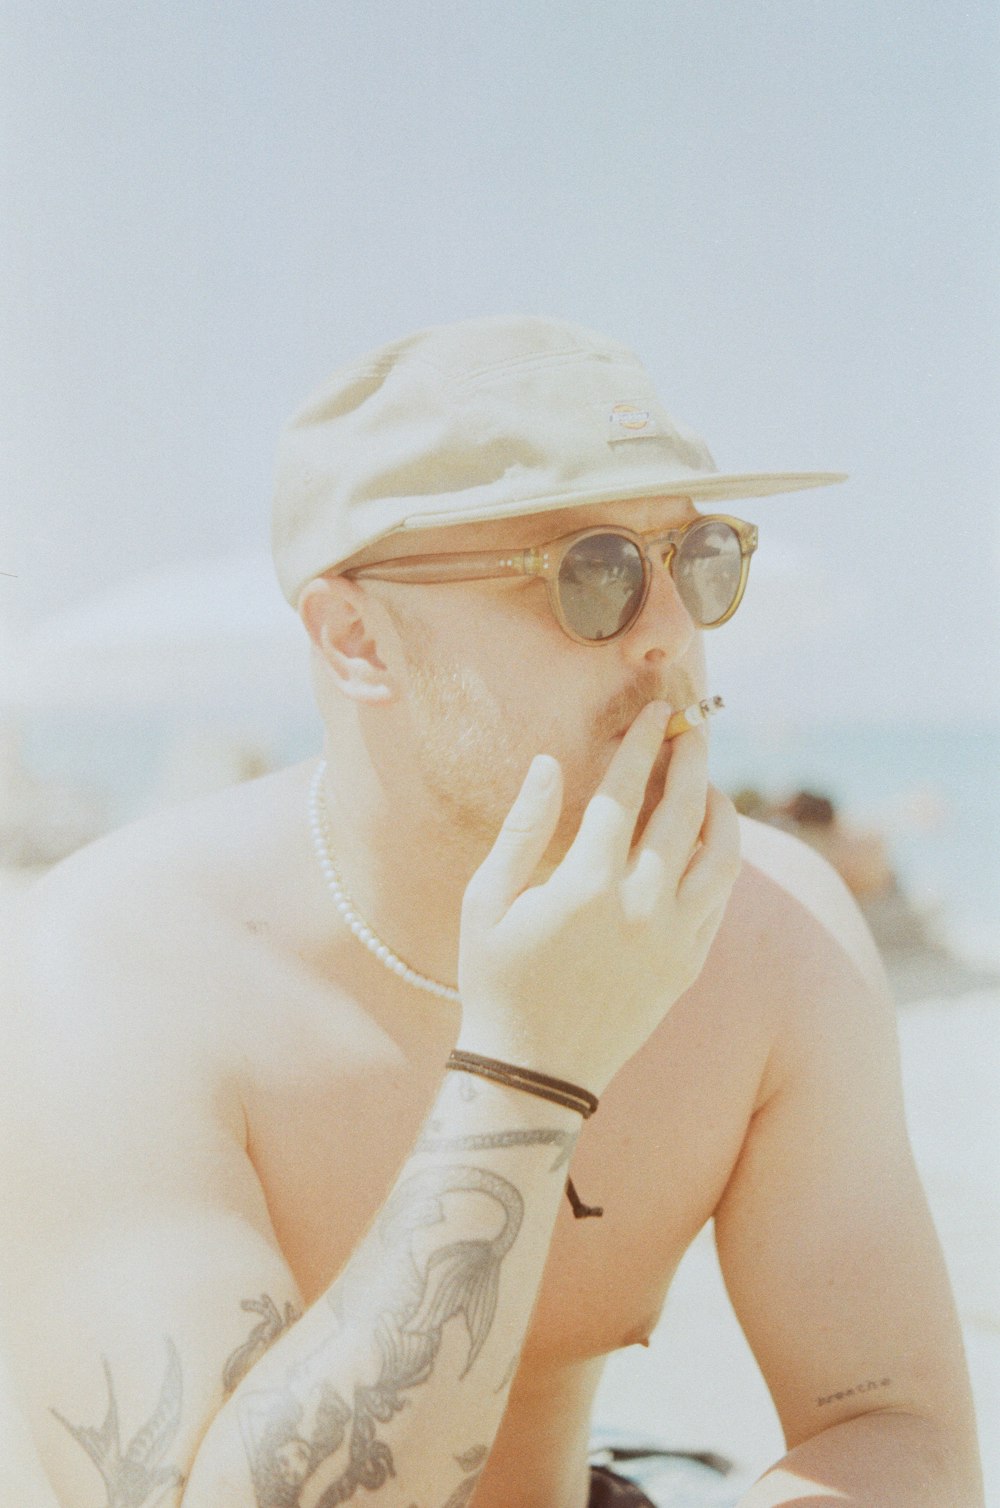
[{"x": 340, "y": 619}]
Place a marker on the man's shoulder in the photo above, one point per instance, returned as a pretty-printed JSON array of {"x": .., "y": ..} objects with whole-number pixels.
[
  {"x": 119, "y": 1074},
  {"x": 150, "y": 871},
  {"x": 127, "y": 938},
  {"x": 793, "y": 898},
  {"x": 793, "y": 973},
  {"x": 172, "y": 866}
]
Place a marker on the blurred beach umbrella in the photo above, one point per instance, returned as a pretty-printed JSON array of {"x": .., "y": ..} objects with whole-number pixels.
[{"x": 208, "y": 635}]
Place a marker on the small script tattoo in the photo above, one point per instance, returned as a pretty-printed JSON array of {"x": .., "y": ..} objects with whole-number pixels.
[
  {"x": 293, "y": 1431},
  {"x": 856, "y": 1391},
  {"x": 137, "y": 1476},
  {"x": 545, "y": 1136},
  {"x": 272, "y": 1324}
]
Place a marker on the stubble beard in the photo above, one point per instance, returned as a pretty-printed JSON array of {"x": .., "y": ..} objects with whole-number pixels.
[{"x": 472, "y": 761}]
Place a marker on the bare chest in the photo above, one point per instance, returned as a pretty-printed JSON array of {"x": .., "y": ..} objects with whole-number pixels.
[{"x": 332, "y": 1115}]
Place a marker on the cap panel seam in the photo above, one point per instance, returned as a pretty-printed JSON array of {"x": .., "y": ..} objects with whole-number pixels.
[
  {"x": 381, "y": 365},
  {"x": 530, "y": 361},
  {"x": 535, "y": 362}
]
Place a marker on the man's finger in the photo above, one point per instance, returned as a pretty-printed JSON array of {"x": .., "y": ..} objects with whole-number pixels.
[
  {"x": 608, "y": 825},
  {"x": 527, "y": 831},
  {"x": 674, "y": 827},
  {"x": 714, "y": 868}
]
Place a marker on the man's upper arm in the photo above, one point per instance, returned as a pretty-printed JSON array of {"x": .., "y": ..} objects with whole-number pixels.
[
  {"x": 139, "y": 1275},
  {"x": 824, "y": 1236}
]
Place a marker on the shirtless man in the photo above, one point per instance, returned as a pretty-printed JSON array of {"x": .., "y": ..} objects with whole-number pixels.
[{"x": 262, "y": 1249}]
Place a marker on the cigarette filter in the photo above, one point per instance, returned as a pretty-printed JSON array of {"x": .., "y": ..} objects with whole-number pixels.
[{"x": 683, "y": 722}]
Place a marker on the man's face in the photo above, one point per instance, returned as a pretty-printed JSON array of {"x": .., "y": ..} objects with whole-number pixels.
[{"x": 490, "y": 679}]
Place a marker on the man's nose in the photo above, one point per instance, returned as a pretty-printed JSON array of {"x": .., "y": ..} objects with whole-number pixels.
[{"x": 665, "y": 628}]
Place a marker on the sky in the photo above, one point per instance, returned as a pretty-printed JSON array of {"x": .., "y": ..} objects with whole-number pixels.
[{"x": 789, "y": 209}]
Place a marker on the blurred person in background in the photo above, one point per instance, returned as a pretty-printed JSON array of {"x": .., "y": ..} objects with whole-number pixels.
[
  {"x": 859, "y": 856},
  {"x": 294, "y": 1074}
]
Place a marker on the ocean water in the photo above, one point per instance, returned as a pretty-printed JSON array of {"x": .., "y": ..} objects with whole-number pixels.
[{"x": 933, "y": 791}]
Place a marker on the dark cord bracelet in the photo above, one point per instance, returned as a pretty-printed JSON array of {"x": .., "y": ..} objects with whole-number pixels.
[
  {"x": 559, "y": 1091},
  {"x": 545, "y": 1087}
]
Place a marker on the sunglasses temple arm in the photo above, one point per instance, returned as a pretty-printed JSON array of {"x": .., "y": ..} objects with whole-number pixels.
[{"x": 443, "y": 568}]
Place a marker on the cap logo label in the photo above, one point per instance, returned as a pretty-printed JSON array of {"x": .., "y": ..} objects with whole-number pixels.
[{"x": 628, "y": 421}]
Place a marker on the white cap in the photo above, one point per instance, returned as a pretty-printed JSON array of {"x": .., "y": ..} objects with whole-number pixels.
[{"x": 478, "y": 420}]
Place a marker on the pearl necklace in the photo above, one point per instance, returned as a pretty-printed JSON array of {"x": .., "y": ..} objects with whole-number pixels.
[{"x": 320, "y": 830}]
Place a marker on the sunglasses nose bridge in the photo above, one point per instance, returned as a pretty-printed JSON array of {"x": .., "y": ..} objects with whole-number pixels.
[{"x": 662, "y": 549}]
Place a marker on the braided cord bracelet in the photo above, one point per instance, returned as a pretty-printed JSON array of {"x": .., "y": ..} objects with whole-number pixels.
[{"x": 542, "y": 1085}]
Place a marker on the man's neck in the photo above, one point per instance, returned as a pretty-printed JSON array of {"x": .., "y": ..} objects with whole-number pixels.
[{"x": 404, "y": 872}]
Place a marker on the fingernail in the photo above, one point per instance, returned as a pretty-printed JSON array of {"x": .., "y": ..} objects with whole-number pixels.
[{"x": 543, "y": 771}]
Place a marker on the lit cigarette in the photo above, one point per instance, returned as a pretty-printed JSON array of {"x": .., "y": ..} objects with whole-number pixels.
[{"x": 683, "y": 722}]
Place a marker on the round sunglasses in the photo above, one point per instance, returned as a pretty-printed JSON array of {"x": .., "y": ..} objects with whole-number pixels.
[{"x": 598, "y": 579}]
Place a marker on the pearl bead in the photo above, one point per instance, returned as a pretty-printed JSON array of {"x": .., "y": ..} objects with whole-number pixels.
[{"x": 358, "y": 927}]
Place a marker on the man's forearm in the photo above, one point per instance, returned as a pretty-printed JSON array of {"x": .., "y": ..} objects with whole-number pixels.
[
  {"x": 397, "y": 1378},
  {"x": 879, "y": 1460}
]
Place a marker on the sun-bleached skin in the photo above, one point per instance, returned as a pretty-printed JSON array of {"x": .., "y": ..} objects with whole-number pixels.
[{"x": 266, "y": 1054}]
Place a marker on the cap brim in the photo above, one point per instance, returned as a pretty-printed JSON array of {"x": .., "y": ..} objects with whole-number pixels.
[{"x": 713, "y": 488}]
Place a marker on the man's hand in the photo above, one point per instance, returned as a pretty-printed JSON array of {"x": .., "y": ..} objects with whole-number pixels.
[{"x": 571, "y": 976}]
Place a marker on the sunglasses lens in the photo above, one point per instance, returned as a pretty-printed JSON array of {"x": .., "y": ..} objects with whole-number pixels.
[
  {"x": 707, "y": 570},
  {"x": 601, "y": 584}
]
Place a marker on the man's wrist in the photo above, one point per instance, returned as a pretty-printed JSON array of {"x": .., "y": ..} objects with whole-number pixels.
[
  {"x": 520, "y": 1052},
  {"x": 496, "y": 1103},
  {"x": 543, "y": 1086}
]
